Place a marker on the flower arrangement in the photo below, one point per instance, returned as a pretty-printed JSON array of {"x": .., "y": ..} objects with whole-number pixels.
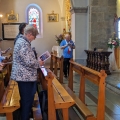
[
  {"x": 113, "y": 42},
  {"x": 59, "y": 38}
]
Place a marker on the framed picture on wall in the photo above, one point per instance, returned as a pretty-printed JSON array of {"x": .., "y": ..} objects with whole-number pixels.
[
  {"x": 12, "y": 17},
  {"x": 53, "y": 17},
  {"x": 10, "y": 30}
]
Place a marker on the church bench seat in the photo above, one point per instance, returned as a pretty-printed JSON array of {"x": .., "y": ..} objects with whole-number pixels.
[
  {"x": 9, "y": 99},
  {"x": 84, "y": 111}
]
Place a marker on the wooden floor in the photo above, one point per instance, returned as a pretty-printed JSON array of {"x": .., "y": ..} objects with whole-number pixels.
[{"x": 112, "y": 108}]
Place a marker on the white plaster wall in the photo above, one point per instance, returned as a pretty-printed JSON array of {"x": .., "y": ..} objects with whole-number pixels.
[
  {"x": 49, "y": 29},
  {"x": 61, "y": 4},
  {"x": 118, "y": 8},
  {"x": 62, "y": 18}
]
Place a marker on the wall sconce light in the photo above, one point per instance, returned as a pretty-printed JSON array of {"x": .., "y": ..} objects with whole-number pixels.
[{"x": 1, "y": 15}]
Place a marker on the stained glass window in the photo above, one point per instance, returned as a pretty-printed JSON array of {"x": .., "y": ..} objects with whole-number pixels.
[{"x": 34, "y": 17}]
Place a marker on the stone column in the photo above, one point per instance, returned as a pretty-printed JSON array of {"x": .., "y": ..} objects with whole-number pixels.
[
  {"x": 80, "y": 32},
  {"x": 102, "y": 18}
]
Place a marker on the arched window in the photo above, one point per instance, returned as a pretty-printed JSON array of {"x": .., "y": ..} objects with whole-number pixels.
[{"x": 34, "y": 17}]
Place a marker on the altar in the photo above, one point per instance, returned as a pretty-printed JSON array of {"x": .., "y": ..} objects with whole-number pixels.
[{"x": 98, "y": 60}]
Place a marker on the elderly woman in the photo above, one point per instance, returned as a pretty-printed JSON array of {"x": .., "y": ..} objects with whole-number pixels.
[{"x": 24, "y": 69}]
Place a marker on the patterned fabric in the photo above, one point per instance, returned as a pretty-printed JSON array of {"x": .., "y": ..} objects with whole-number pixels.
[
  {"x": 25, "y": 65},
  {"x": 66, "y": 52},
  {"x": 17, "y": 37}
]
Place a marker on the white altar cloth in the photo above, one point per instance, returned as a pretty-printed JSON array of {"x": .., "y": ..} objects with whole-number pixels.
[
  {"x": 112, "y": 61},
  {"x": 58, "y": 50}
]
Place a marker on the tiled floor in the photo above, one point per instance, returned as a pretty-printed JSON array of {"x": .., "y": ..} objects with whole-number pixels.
[
  {"x": 2, "y": 118},
  {"x": 112, "y": 99},
  {"x": 112, "y": 108}
]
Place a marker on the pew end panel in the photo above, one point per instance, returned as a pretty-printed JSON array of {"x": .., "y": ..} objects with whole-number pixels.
[
  {"x": 58, "y": 98},
  {"x": 51, "y": 104}
]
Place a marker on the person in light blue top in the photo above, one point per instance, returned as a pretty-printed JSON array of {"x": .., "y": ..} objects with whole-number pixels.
[{"x": 67, "y": 45}]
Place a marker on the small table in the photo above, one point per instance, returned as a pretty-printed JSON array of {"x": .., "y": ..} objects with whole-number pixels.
[{"x": 98, "y": 60}]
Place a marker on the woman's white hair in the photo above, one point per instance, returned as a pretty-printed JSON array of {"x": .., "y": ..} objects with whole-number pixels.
[
  {"x": 31, "y": 29},
  {"x": 67, "y": 35}
]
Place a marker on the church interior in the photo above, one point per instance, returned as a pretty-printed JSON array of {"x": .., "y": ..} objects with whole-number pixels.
[{"x": 92, "y": 89}]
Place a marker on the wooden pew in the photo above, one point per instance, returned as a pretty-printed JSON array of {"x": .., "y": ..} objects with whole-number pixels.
[
  {"x": 58, "y": 98},
  {"x": 95, "y": 77},
  {"x": 9, "y": 99},
  {"x": 57, "y": 62}
]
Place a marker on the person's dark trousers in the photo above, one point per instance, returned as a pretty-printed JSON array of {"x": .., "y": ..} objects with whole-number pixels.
[
  {"x": 27, "y": 91},
  {"x": 66, "y": 65}
]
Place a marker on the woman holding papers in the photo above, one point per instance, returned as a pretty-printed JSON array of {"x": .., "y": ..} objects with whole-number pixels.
[{"x": 24, "y": 69}]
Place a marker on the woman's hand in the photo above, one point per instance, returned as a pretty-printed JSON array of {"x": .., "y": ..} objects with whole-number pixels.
[{"x": 41, "y": 63}]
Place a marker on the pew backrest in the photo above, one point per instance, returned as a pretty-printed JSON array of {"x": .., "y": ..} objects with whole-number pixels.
[{"x": 95, "y": 77}]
